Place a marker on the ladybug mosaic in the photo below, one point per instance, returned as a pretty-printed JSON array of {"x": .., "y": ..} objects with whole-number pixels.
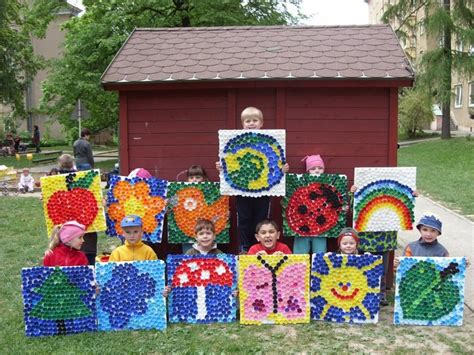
[{"x": 314, "y": 205}]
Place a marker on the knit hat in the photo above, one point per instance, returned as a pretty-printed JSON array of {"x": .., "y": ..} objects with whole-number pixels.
[
  {"x": 71, "y": 230},
  {"x": 348, "y": 231},
  {"x": 430, "y": 220},
  {"x": 131, "y": 221},
  {"x": 139, "y": 172},
  {"x": 313, "y": 161}
]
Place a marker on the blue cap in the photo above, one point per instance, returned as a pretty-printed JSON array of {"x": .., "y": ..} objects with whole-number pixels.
[
  {"x": 430, "y": 221},
  {"x": 131, "y": 221}
]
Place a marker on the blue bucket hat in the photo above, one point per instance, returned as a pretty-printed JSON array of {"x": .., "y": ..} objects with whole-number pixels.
[
  {"x": 430, "y": 221},
  {"x": 131, "y": 221}
]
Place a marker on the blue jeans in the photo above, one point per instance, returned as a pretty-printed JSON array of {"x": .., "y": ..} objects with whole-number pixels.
[
  {"x": 308, "y": 245},
  {"x": 84, "y": 166}
]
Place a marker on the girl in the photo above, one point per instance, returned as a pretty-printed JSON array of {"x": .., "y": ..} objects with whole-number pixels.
[
  {"x": 267, "y": 235},
  {"x": 65, "y": 244},
  {"x": 348, "y": 241}
]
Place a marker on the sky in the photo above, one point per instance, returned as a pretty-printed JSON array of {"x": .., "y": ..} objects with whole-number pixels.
[{"x": 323, "y": 12}]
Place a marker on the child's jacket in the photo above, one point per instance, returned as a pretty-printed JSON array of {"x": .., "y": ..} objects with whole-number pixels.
[
  {"x": 133, "y": 252},
  {"x": 63, "y": 255}
]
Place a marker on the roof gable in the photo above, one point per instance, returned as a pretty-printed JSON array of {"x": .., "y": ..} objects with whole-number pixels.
[{"x": 259, "y": 53}]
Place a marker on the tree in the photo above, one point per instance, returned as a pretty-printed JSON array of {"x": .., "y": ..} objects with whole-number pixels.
[
  {"x": 94, "y": 38},
  {"x": 415, "y": 110},
  {"x": 446, "y": 20},
  {"x": 18, "y": 63},
  {"x": 61, "y": 301}
]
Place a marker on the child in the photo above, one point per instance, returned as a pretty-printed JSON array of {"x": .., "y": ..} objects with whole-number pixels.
[
  {"x": 267, "y": 234},
  {"x": 66, "y": 164},
  {"x": 251, "y": 210},
  {"x": 27, "y": 182},
  {"x": 205, "y": 239},
  {"x": 134, "y": 248},
  {"x": 64, "y": 247},
  {"x": 348, "y": 241}
]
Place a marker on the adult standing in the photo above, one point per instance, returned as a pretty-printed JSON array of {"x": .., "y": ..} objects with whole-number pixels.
[
  {"x": 83, "y": 151},
  {"x": 85, "y": 161},
  {"x": 36, "y": 139}
]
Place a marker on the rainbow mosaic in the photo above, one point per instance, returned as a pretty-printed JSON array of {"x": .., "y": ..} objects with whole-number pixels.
[
  {"x": 252, "y": 162},
  {"x": 345, "y": 288},
  {"x": 202, "y": 288},
  {"x": 274, "y": 289},
  {"x": 192, "y": 201},
  {"x": 430, "y": 291},
  {"x": 384, "y": 199},
  {"x": 131, "y": 295},
  {"x": 58, "y": 300},
  {"x": 73, "y": 196},
  {"x": 142, "y": 197},
  {"x": 313, "y": 205}
]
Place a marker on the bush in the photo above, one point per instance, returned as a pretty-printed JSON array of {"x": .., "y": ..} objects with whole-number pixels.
[
  {"x": 71, "y": 135},
  {"x": 414, "y": 111}
]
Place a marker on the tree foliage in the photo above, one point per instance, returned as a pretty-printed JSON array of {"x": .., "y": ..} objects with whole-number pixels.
[
  {"x": 446, "y": 20},
  {"x": 414, "y": 110},
  {"x": 94, "y": 38},
  {"x": 20, "y": 22}
]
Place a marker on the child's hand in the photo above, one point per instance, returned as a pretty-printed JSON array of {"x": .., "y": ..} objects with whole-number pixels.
[
  {"x": 262, "y": 252},
  {"x": 327, "y": 254},
  {"x": 218, "y": 166},
  {"x": 104, "y": 202},
  {"x": 285, "y": 168},
  {"x": 396, "y": 262},
  {"x": 353, "y": 188},
  {"x": 415, "y": 193},
  {"x": 166, "y": 291},
  {"x": 468, "y": 262},
  {"x": 345, "y": 208},
  {"x": 278, "y": 253},
  {"x": 235, "y": 293},
  {"x": 97, "y": 289}
]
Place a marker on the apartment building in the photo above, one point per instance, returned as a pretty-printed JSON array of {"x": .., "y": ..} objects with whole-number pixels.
[{"x": 415, "y": 44}]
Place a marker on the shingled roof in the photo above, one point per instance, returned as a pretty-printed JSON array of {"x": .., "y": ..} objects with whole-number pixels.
[{"x": 259, "y": 53}]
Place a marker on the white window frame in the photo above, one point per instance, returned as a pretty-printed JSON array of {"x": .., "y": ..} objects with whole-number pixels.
[
  {"x": 458, "y": 96},
  {"x": 471, "y": 94}
]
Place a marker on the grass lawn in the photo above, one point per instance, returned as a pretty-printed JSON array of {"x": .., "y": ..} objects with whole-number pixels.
[
  {"x": 23, "y": 243},
  {"x": 445, "y": 171}
]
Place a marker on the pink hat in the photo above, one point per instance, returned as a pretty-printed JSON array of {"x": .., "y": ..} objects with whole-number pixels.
[
  {"x": 139, "y": 172},
  {"x": 313, "y": 161},
  {"x": 71, "y": 230}
]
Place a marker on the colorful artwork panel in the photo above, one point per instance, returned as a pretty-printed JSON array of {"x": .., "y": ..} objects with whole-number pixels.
[
  {"x": 131, "y": 295},
  {"x": 252, "y": 162},
  {"x": 192, "y": 201},
  {"x": 274, "y": 289},
  {"x": 346, "y": 288},
  {"x": 143, "y": 197},
  {"x": 74, "y": 196},
  {"x": 430, "y": 291},
  {"x": 58, "y": 300},
  {"x": 377, "y": 242},
  {"x": 384, "y": 199},
  {"x": 203, "y": 288},
  {"x": 313, "y": 205}
]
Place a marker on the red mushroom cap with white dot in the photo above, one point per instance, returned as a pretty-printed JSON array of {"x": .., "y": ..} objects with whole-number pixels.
[{"x": 202, "y": 272}]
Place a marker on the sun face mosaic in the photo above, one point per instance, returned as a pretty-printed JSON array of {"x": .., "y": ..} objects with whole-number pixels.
[
  {"x": 384, "y": 199},
  {"x": 252, "y": 162},
  {"x": 131, "y": 295},
  {"x": 58, "y": 300},
  {"x": 192, "y": 201},
  {"x": 142, "y": 197},
  {"x": 203, "y": 288},
  {"x": 430, "y": 291},
  {"x": 273, "y": 289},
  {"x": 345, "y": 288},
  {"x": 74, "y": 196},
  {"x": 313, "y": 205}
]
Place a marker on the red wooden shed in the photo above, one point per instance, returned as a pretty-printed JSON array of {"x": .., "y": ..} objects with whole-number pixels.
[{"x": 334, "y": 90}]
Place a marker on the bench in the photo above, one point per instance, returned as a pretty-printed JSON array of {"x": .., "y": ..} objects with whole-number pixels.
[{"x": 49, "y": 156}]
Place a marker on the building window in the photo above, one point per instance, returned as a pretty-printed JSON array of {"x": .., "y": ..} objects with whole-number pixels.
[
  {"x": 458, "y": 96},
  {"x": 471, "y": 94},
  {"x": 459, "y": 46}
]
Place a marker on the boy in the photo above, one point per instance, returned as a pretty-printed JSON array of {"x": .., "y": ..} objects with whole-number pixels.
[
  {"x": 205, "y": 239},
  {"x": 134, "y": 248},
  {"x": 429, "y": 227},
  {"x": 27, "y": 182},
  {"x": 251, "y": 210},
  {"x": 267, "y": 234}
]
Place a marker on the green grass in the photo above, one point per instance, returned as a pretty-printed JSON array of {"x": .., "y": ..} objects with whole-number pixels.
[
  {"x": 445, "y": 171},
  {"x": 105, "y": 165},
  {"x": 23, "y": 242},
  {"x": 403, "y": 136}
]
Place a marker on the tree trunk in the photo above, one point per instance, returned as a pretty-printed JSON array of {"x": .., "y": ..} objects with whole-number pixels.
[{"x": 446, "y": 104}]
